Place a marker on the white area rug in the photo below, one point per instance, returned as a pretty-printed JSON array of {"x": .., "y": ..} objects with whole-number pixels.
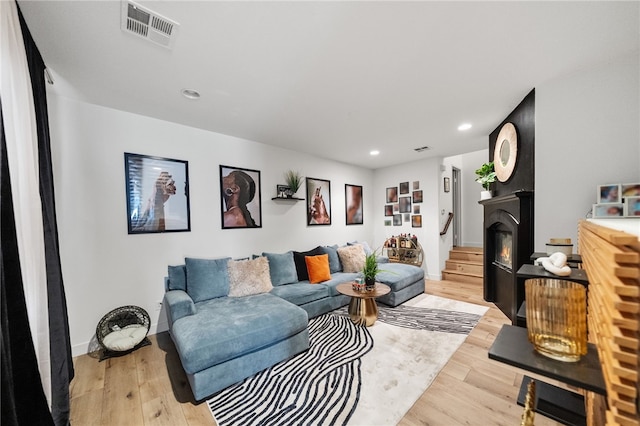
[{"x": 354, "y": 375}]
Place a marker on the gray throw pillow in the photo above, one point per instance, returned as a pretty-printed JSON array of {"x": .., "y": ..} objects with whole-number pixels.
[
  {"x": 334, "y": 259},
  {"x": 207, "y": 278},
  {"x": 281, "y": 268},
  {"x": 177, "y": 277}
]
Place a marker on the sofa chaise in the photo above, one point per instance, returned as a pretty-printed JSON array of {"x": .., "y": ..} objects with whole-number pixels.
[{"x": 230, "y": 319}]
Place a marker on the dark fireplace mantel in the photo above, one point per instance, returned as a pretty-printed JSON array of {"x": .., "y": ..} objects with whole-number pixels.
[{"x": 510, "y": 213}]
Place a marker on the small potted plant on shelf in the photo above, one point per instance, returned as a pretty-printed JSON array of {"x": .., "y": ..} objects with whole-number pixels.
[
  {"x": 486, "y": 176},
  {"x": 370, "y": 270},
  {"x": 293, "y": 179}
]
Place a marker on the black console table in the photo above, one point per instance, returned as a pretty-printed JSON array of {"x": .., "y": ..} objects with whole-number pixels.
[{"x": 512, "y": 347}]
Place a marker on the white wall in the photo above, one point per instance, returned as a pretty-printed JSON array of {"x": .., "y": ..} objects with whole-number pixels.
[
  {"x": 587, "y": 134},
  {"x": 427, "y": 172},
  {"x": 104, "y": 267}
]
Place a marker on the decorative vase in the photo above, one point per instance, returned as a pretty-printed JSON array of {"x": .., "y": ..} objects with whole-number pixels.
[
  {"x": 485, "y": 195},
  {"x": 288, "y": 193},
  {"x": 370, "y": 284}
]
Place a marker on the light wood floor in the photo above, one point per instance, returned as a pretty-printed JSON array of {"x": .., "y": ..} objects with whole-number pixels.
[{"x": 148, "y": 386}]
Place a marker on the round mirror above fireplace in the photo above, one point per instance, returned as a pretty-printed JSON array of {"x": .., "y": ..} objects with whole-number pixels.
[{"x": 505, "y": 152}]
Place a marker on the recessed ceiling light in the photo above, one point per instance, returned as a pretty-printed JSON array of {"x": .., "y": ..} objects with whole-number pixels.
[
  {"x": 190, "y": 94},
  {"x": 374, "y": 152},
  {"x": 464, "y": 126}
]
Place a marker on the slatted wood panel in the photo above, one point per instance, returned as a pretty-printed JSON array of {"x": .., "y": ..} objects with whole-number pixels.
[{"x": 612, "y": 261}]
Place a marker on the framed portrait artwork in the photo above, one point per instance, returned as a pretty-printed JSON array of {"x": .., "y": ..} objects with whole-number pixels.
[
  {"x": 405, "y": 204},
  {"x": 353, "y": 204},
  {"x": 388, "y": 210},
  {"x": 404, "y": 187},
  {"x": 397, "y": 219},
  {"x": 416, "y": 221},
  {"x": 631, "y": 190},
  {"x": 318, "y": 202},
  {"x": 417, "y": 196},
  {"x": 157, "y": 194},
  {"x": 240, "y": 203},
  {"x": 392, "y": 194}
]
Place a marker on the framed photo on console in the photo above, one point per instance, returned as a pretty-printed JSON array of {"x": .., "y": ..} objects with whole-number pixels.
[
  {"x": 157, "y": 194},
  {"x": 240, "y": 203},
  {"x": 608, "y": 210},
  {"x": 318, "y": 202}
]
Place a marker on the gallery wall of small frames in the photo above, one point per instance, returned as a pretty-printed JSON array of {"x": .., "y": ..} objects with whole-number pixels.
[
  {"x": 403, "y": 204},
  {"x": 617, "y": 200}
]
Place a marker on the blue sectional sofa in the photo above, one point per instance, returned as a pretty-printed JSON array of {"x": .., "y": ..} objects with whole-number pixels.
[{"x": 230, "y": 319}]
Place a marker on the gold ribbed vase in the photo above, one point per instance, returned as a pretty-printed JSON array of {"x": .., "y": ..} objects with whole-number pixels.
[{"x": 557, "y": 318}]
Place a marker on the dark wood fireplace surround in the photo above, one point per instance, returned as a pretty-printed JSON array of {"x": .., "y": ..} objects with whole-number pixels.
[{"x": 511, "y": 210}]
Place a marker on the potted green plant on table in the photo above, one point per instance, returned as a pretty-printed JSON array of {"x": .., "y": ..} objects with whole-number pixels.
[
  {"x": 486, "y": 176},
  {"x": 293, "y": 179},
  {"x": 370, "y": 270}
]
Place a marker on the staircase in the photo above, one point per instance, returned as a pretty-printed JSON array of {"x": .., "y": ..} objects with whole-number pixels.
[{"x": 464, "y": 265}]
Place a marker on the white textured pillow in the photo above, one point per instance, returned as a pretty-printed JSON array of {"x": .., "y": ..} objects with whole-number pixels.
[
  {"x": 352, "y": 258},
  {"x": 125, "y": 338},
  {"x": 248, "y": 277}
]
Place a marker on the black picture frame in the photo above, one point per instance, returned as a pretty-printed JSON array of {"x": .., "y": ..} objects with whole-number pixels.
[
  {"x": 397, "y": 219},
  {"x": 353, "y": 204},
  {"x": 392, "y": 194},
  {"x": 405, "y": 204},
  {"x": 417, "y": 196},
  {"x": 318, "y": 201},
  {"x": 157, "y": 191},
  {"x": 416, "y": 221},
  {"x": 388, "y": 210},
  {"x": 240, "y": 198},
  {"x": 404, "y": 187}
]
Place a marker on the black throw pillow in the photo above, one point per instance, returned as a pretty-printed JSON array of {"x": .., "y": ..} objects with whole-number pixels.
[{"x": 301, "y": 265}]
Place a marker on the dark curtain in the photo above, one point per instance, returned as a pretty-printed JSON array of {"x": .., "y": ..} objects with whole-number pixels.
[
  {"x": 23, "y": 399},
  {"x": 60, "y": 342}
]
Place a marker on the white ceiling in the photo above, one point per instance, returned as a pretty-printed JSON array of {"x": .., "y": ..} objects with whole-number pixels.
[{"x": 333, "y": 79}]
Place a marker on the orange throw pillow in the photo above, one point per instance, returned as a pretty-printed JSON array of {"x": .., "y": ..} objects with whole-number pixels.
[{"x": 318, "y": 268}]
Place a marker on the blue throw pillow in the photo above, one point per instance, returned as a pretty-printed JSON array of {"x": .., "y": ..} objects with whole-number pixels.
[
  {"x": 334, "y": 259},
  {"x": 301, "y": 264},
  {"x": 207, "y": 278},
  {"x": 177, "y": 278},
  {"x": 281, "y": 268},
  {"x": 364, "y": 244}
]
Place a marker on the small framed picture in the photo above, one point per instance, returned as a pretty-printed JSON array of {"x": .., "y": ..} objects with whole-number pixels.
[
  {"x": 397, "y": 219},
  {"x": 157, "y": 194},
  {"x": 608, "y": 194},
  {"x": 392, "y": 194},
  {"x": 407, "y": 217},
  {"x": 608, "y": 210},
  {"x": 417, "y": 196},
  {"x": 416, "y": 209},
  {"x": 396, "y": 208},
  {"x": 353, "y": 203},
  {"x": 632, "y": 206},
  {"x": 388, "y": 210},
  {"x": 630, "y": 190},
  {"x": 416, "y": 221},
  {"x": 416, "y": 184},
  {"x": 405, "y": 204},
  {"x": 387, "y": 222},
  {"x": 282, "y": 190},
  {"x": 404, "y": 187}
]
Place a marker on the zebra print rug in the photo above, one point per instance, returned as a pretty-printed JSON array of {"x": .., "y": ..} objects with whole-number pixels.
[{"x": 350, "y": 374}]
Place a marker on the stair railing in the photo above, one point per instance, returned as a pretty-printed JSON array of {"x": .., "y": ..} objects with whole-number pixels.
[{"x": 446, "y": 226}]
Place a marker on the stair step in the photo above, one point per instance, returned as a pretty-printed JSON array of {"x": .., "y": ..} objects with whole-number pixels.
[
  {"x": 468, "y": 267},
  {"x": 462, "y": 277},
  {"x": 468, "y": 249},
  {"x": 466, "y": 255}
]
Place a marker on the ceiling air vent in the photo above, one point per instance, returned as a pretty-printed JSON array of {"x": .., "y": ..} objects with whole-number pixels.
[
  {"x": 148, "y": 25},
  {"x": 422, "y": 148}
]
